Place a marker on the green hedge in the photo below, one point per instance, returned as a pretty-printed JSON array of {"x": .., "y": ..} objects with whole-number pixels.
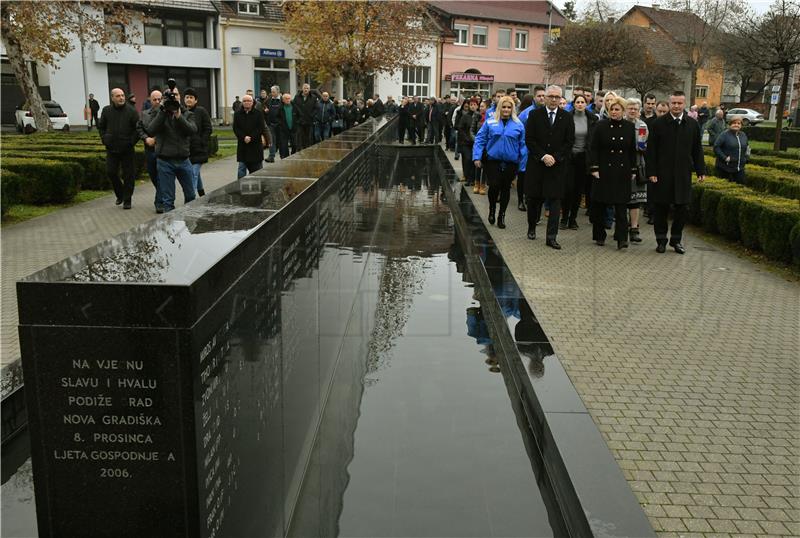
[
  {"x": 767, "y": 134},
  {"x": 93, "y": 164},
  {"x": 788, "y": 165},
  {"x": 9, "y": 189},
  {"x": 765, "y": 179},
  {"x": 43, "y": 181},
  {"x": 759, "y": 221}
]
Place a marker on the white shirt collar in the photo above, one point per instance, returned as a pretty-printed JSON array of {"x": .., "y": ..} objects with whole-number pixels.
[{"x": 679, "y": 118}]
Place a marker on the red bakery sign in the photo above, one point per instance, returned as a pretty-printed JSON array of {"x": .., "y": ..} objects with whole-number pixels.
[{"x": 470, "y": 77}]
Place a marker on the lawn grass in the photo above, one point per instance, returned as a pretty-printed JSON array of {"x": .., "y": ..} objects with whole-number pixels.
[{"x": 22, "y": 212}]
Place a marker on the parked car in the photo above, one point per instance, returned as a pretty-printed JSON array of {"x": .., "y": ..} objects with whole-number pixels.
[
  {"x": 26, "y": 123},
  {"x": 751, "y": 117}
]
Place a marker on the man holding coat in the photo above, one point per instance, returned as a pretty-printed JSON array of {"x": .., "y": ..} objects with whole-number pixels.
[{"x": 674, "y": 150}]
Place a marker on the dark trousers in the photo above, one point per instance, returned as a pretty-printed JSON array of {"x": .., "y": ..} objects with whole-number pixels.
[
  {"x": 151, "y": 162},
  {"x": 92, "y": 120},
  {"x": 467, "y": 165},
  {"x": 401, "y": 132},
  {"x": 660, "y": 212},
  {"x": 572, "y": 199},
  {"x": 434, "y": 135},
  {"x": 534, "y": 210},
  {"x": 499, "y": 177},
  {"x": 520, "y": 186},
  {"x": 305, "y": 136},
  {"x": 123, "y": 187},
  {"x": 598, "y": 221},
  {"x": 448, "y": 127},
  {"x": 285, "y": 139}
]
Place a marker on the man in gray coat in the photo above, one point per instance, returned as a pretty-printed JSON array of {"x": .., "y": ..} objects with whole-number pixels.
[{"x": 150, "y": 144}]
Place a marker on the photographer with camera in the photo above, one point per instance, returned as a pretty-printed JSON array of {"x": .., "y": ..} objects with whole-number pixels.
[
  {"x": 198, "y": 147},
  {"x": 117, "y": 127},
  {"x": 173, "y": 128}
]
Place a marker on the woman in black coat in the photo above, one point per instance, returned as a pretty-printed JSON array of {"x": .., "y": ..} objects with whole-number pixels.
[
  {"x": 403, "y": 120},
  {"x": 579, "y": 181},
  {"x": 613, "y": 165},
  {"x": 466, "y": 139}
]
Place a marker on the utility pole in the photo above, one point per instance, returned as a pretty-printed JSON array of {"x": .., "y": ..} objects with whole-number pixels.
[
  {"x": 88, "y": 116},
  {"x": 549, "y": 35}
]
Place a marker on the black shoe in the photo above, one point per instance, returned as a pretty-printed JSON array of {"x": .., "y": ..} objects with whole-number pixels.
[
  {"x": 269, "y": 160},
  {"x": 621, "y": 245},
  {"x": 608, "y": 226},
  {"x": 634, "y": 235},
  {"x": 201, "y": 192},
  {"x": 126, "y": 204},
  {"x": 562, "y": 225},
  {"x": 679, "y": 248},
  {"x": 522, "y": 207},
  {"x": 573, "y": 225},
  {"x": 649, "y": 220},
  {"x": 661, "y": 248},
  {"x": 539, "y": 220},
  {"x": 600, "y": 242},
  {"x": 491, "y": 215},
  {"x": 159, "y": 209},
  {"x": 552, "y": 243},
  {"x": 531, "y": 233},
  {"x": 118, "y": 202},
  {"x": 501, "y": 219}
]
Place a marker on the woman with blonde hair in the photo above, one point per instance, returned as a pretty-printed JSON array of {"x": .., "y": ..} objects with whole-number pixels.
[
  {"x": 502, "y": 137},
  {"x": 613, "y": 165}
]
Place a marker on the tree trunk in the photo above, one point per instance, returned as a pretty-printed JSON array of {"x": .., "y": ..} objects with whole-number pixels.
[
  {"x": 745, "y": 82},
  {"x": 781, "y": 105},
  {"x": 29, "y": 89},
  {"x": 692, "y": 88},
  {"x": 600, "y": 79}
]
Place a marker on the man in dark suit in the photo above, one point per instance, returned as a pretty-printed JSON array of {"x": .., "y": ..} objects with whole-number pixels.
[
  {"x": 674, "y": 149},
  {"x": 549, "y": 135},
  {"x": 416, "y": 117},
  {"x": 433, "y": 114}
]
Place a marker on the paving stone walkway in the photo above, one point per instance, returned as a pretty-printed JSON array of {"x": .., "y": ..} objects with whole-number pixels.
[
  {"x": 37, "y": 243},
  {"x": 688, "y": 365}
]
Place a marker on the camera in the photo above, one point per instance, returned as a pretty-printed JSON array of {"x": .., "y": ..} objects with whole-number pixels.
[{"x": 170, "y": 102}]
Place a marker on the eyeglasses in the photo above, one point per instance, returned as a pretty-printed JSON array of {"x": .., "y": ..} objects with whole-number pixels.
[{"x": 554, "y": 97}]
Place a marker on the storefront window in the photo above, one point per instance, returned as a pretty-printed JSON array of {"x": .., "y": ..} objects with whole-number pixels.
[{"x": 468, "y": 89}]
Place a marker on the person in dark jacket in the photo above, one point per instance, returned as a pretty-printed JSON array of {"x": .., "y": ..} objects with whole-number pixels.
[
  {"x": 446, "y": 126},
  {"x": 417, "y": 112},
  {"x": 466, "y": 140},
  {"x": 674, "y": 150},
  {"x": 151, "y": 161},
  {"x": 94, "y": 111},
  {"x": 249, "y": 127},
  {"x": 324, "y": 115},
  {"x": 715, "y": 127},
  {"x": 305, "y": 103},
  {"x": 271, "y": 110},
  {"x": 173, "y": 132},
  {"x": 502, "y": 137},
  {"x": 378, "y": 108},
  {"x": 433, "y": 119},
  {"x": 198, "y": 146},
  {"x": 732, "y": 151},
  {"x": 526, "y": 106},
  {"x": 403, "y": 121},
  {"x": 287, "y": 126},
  {"x": 613, "y": 166},
  {"x": 578, "y": 181},
  {"x": 391, "y": 106},
  {"x": 117, "y": 127},
  {"x": 550, "y": 135}
]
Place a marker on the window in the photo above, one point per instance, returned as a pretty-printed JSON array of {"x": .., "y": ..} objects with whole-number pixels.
[
  {"x": 504, "y": 38},
  {"x": 416, "y": 80},
  {"x": 248, "y": 8},
  {"x": 479, "y": 34},
  {"x": 116, "y": 33},
  {"x": 462, "y": 34},
  {"x": 468, "y": 89},
  {"x": 701, "y": 91},
  {"x": 522, "y": 89},
  {"x": 521, "y": 40},
  {"x": 175, "y": 32}
]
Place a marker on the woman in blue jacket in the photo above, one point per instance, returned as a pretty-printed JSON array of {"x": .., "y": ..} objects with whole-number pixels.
[
  {"x": 732, "y": 151},
  {"x": 503, "y": 139}
]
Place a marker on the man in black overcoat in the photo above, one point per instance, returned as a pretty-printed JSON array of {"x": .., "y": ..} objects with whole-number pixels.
[
  {"x": 674, "y": 150},
  {"x": 416, "y": 114},
  {"x": 249, "y": 126},
  {"x": 549, "y": 135}
]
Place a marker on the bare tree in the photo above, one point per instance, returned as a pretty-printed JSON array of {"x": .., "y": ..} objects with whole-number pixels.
[
  {"x": 771, "y": 42},
  {"x": 642, "y": 73}
]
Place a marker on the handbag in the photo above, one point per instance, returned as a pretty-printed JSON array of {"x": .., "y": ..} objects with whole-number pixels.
[{"x": 337, "y": 124}]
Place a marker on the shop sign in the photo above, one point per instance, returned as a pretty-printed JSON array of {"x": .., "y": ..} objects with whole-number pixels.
[
  {"x": 272, "y": 53},
  {"x": 471, "y": 77}
]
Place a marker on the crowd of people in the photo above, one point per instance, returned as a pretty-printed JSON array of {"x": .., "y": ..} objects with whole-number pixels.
[{"x": 618, "y": 156}]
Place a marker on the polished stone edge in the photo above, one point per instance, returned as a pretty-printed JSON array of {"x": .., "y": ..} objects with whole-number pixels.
[{"x": 565, "y": 432}]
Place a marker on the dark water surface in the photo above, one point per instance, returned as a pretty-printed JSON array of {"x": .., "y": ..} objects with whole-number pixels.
[{"x": 431, "y": 446}]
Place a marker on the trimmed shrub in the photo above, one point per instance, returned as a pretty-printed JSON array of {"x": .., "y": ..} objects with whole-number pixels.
[
  {"x": 45, "y": 182},
  {"x": 93, "y": 164},
  {"x": 767, "y": 134},
  {"x": 9, "y": 189},
  {"x": 788, "y": 165},
  {"x": 794, "y": 241},
  {"x": 708, "y": 208},
  {"x": 749, "y": 218},
  {"x": 727, "y": 216},
  {"x": 213, "y": 145},
  {"x": 774, "y": 231},
  {"x": 760, "y": 178}
]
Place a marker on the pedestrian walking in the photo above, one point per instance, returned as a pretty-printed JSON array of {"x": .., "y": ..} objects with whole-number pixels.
[
  {"x": 674, "y": 150},
  {"x": 117, "y": 128},
  {"x": 502, "y": 137},
  {"x": 639, "y": 182},
  {"x": 249, "y": 127},
  {"x": 403, "y": 121},
  {"x": 526, "y": 106},
  {"x": 732, "y": 151},
  {"x": 305, "y": 103},
  {"x": 467, "y": 140},
  {"x": 578, "y": 179},
  {"x": 433, "y": 117},
  {"x": 715, "y": 127},
  {"x": 417, "y": 113},
  {"x": 150, "y": 159},
  {"x": 324, "y": 116},
  {"x": 94, "y": 111},
  {"x": 286, "y": 129},
  {"x": 550, "y": 136},
  {"x": 198, "y": 146},
  {"x": 271, "y": 109}
]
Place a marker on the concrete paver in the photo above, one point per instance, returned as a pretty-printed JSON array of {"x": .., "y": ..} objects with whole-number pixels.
[{"x": 687, "y": 364}]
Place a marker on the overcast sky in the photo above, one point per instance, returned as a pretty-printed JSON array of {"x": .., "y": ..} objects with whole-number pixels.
[{"x": 759, "y": 6}]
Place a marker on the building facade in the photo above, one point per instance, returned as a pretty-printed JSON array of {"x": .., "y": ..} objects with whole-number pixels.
[{"x": 495, "y": 45}]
